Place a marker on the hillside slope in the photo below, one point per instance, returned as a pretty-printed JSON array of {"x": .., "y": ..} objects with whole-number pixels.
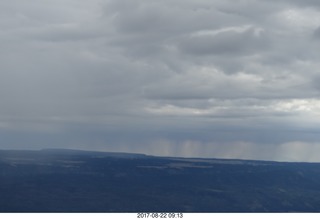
[{"x": 83, "y": 181}]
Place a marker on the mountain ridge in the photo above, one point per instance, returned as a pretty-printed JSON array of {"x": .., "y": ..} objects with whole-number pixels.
[{"x": 129, "y": 154}]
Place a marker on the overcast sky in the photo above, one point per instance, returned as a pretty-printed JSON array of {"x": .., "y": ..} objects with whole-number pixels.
[{"x": 193, "y": 78}]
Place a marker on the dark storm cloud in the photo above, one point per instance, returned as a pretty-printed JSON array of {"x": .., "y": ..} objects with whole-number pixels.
[{"x": 181, "y": 78}]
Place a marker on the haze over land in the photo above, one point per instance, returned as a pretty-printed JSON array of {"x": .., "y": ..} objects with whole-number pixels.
[{"x": 224, "y": 79}]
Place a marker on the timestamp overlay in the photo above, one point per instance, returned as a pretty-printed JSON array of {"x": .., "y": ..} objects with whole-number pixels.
[{"x": 160, "y": 215}]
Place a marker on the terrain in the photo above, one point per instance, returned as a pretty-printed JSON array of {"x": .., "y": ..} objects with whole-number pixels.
[{"x": 58, "y": 180}]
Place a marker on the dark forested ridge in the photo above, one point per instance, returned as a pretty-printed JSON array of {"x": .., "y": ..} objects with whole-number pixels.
[{"x": 83, "y": 181}]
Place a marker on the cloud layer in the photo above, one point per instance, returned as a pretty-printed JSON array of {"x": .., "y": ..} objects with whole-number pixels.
[{"x": 176, "y": 78}]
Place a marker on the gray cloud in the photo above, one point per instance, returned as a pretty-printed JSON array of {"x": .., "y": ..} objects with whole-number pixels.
[
  {"x": 180, "y": 78},
  {"x": 230, "y": 42}
]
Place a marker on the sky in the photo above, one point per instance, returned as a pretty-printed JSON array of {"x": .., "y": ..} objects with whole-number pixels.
[{"x": 190, "y": 78}]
